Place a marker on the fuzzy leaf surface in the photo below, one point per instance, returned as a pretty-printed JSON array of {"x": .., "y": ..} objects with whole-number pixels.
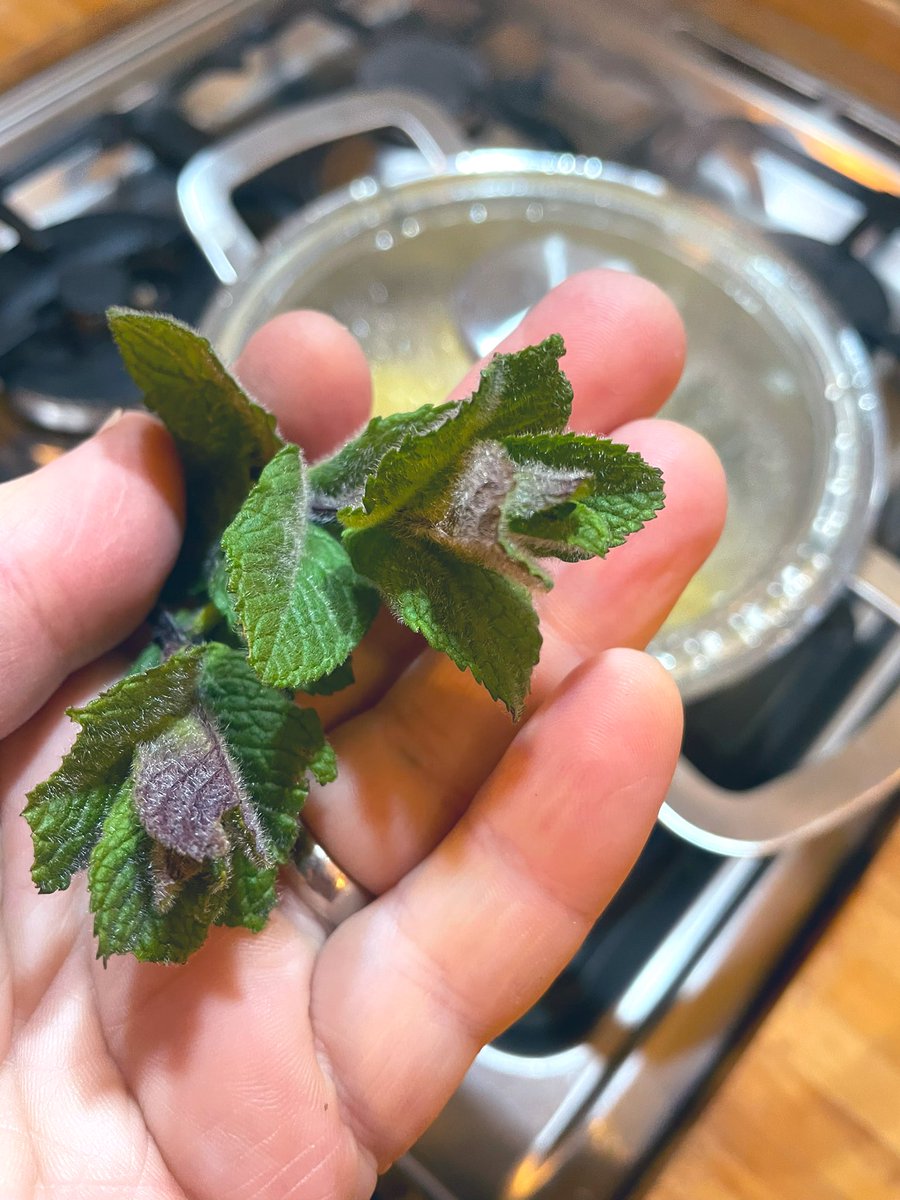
[
  {"x": 195, "y": 833},
  {"x": 482, "y": 620},
  {"x": 341, "y": 479},
  {"x": 520, "y": 393},
  {"x": 184, "y": 782},
  {"x": 524, "y": 392},
  {"x": 577, "y": 496},
  {"x": 67, "y": 811},
  {"x": 250, "y": 895},
  {"x": 301, "y": 605},
  {"x": 123, "y": 893},
  {"x": 273, "y": 741}
]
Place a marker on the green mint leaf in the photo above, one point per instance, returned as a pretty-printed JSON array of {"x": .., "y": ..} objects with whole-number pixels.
[
  {"x": 206, "y": 809},
  {"x": 524, "y": 392},
  {"x": 301, "y": 605},
  {"x": 577, "y": 496},
  {"x": 250, "y": 895},
  {"x": 183, "y": 791},
  {"x": 126, "y": 893},
  {"x": 518, "y": 393},
  {"x": 482, "y": 620},
  {"x": 67, "y": 811},
  {"x": 340, "y": 480},
  {"x": 409, "y": 477},
  {"x": 273, "y": 742},
  {"x": 481, "y": 496},
  {"x": 223, "y": 438}
]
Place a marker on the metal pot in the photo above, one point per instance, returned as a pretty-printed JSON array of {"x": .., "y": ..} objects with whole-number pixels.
[{"x": 430, "y": 263}]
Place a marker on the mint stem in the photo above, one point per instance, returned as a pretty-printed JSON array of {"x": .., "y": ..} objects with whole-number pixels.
[{"x": 166, "y": 632}]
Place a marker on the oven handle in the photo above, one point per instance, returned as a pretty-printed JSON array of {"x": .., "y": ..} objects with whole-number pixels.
[
  {"x": 208, "y": 180},
  {"x": 827, "y": 789}
]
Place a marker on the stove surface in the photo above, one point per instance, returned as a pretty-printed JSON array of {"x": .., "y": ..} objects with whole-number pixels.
[{"x": 582, "y": 1092}]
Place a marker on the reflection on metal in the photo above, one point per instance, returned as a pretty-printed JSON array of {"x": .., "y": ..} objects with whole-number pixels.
[
  {"x": 76, "y": 183},
  {"x": 217, "y": 99}
]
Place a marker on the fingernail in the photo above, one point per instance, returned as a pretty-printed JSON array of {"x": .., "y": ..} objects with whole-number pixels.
[{"x": 114, "y": 416}]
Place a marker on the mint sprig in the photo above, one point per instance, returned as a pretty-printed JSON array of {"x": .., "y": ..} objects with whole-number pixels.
[{"x": 182, "y": 793}]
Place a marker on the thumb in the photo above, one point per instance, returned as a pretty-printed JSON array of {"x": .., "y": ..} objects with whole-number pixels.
[{"x": 85, "y": 544}]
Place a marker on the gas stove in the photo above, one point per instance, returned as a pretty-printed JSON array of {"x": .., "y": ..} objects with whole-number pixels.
[{"x": 580, "y": 1097}]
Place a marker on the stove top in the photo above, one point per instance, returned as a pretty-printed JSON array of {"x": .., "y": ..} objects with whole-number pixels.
[{"x": 583, "y": 1092}]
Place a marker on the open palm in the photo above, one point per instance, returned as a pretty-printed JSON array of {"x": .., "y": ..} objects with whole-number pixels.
[{"x": 288, "y": 1064}]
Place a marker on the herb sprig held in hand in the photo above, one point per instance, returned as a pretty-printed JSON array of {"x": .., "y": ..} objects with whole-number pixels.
[{"x": 181, "y": 795}]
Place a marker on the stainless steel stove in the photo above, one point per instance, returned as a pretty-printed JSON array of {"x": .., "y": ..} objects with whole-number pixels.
[{"x": 578, "y": 1099}]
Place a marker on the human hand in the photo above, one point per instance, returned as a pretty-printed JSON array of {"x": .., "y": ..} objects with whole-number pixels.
[{"x": 286, "y": 1063}]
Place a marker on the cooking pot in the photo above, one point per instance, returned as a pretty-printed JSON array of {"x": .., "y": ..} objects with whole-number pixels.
[{"x": 435, "y": 255}]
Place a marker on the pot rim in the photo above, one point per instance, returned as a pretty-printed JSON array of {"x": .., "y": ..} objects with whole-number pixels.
[{"x": 753, "y": 628}]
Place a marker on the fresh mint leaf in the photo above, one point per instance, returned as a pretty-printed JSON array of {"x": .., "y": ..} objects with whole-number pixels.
[
  {"x": 524, "y": 392},
  {"x": 125, "y": 893},
  {"x": 339, "y": 481},
  {"x": 183, "y": 791},
  {"x": 223, "y": 438},
  {"x": 409, "y": 476},
  {"x": 250, "y": 895},
  {"x": 479, "y": 618},
  {"x": 185, "y": 781},
  {"x": 67, "y": 811},
  {"x": 300, "y": 603},
  {"x": 273, "y": 742},
  {"x": 182, "y": 796},
  {"x": 481, "y": 496},
  {"x": 577, "y": 496},
  {"x": 518, "y": 393}
]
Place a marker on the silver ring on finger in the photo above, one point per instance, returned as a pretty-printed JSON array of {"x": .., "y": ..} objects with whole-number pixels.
[{"x": 327, "y": 890}]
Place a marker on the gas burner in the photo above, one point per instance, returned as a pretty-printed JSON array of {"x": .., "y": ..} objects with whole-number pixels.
[
  {"x": 57, "y": 360},
  {"x": 453, "y": 75},
  {"x": 827, "y": 222},
  {"x": 852, "y": 285}
]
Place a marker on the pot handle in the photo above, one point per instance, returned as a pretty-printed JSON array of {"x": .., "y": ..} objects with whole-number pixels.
[
  {"x": 208, "y": 180},
  {"x": 828, "y": 789}
]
